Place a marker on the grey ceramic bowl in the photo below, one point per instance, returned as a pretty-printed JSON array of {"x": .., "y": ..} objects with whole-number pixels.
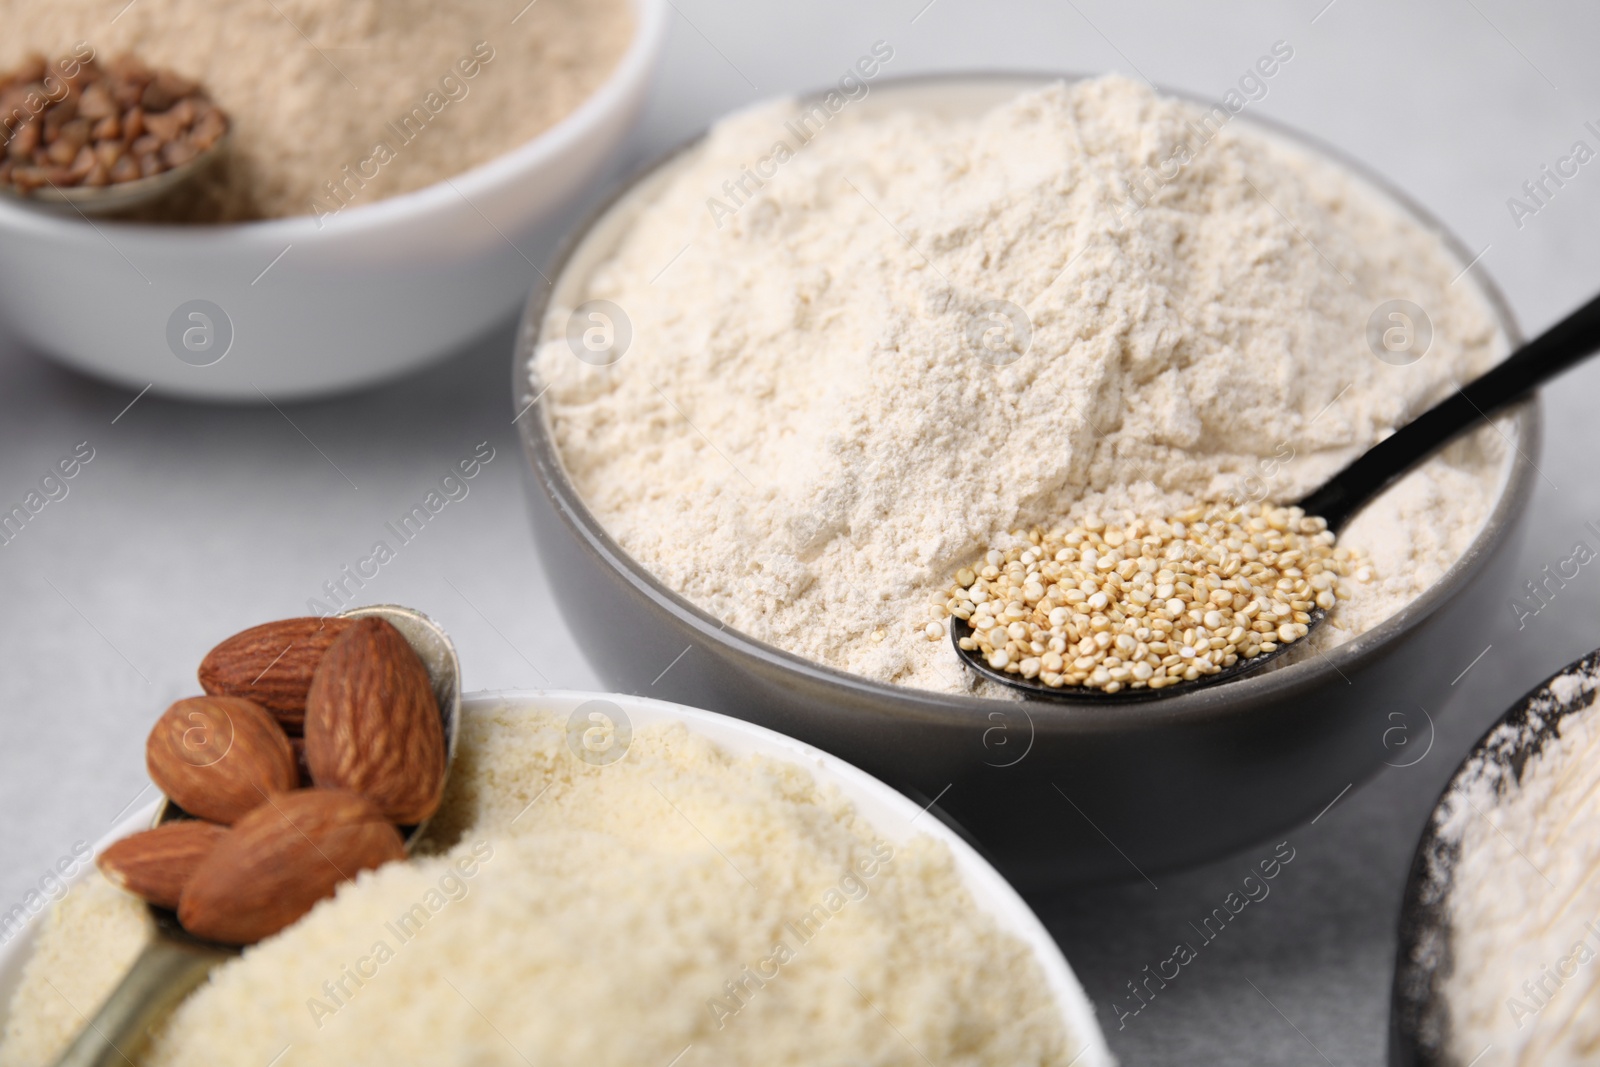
[{"x": 1054, "y": 794}]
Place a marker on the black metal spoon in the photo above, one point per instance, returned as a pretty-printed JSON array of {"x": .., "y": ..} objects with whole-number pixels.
[{"x": 1566, "y": 343}]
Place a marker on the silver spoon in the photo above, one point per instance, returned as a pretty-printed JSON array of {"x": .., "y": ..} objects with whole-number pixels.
[
  {"x": 97, "y": 200},
  {"x": 174, "y": 962},
  {"x": 1571, "y": 340}
]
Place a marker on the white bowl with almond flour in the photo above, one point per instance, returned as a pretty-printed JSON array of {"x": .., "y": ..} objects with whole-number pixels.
[
  {"x": 314, "y": 301},
  {"x": 615, "y": 880},
  {"x": 799, "y": 433}
]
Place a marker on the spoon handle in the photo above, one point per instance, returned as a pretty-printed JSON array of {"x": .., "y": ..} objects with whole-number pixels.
[
  {"x": 1561, "y": 346},
  {"x": 166, "y": 971}
]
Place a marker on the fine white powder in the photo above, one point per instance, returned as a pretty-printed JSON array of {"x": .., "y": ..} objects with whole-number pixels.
[
  {"x": 572, "y": 913},
  {"x": 1524, "y": 900},
  {"x": 808, "y": 432}
]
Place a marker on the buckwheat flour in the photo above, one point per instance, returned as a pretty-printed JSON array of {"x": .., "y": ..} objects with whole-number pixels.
[
  {"x": 315, "y": 87},
  {"x": 568, "y": 912},
  {"x": 812, "y": 426}
]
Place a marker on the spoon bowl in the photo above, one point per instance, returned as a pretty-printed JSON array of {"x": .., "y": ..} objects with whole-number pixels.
[
  {"x": 175, "y": 961},
  {"x": 960, "y": 629},
  {"x": 96, "y": 201}
]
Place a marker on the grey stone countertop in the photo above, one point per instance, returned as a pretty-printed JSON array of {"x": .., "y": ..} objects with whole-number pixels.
[{"x": 192, "y": 521}]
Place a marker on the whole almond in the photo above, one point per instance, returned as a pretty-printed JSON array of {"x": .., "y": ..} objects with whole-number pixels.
[
  {"x": 156, "y": 864},
  {"x": 272, "y": 664},
  {"x": 282, "y": 858},
  {"x": 298, "y": 744},
  {"x": 219, "y": 757},
  {"x": 372, "y": 723}
]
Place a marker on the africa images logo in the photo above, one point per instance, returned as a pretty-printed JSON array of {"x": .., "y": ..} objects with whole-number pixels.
[{"x": 199, "y": 333}]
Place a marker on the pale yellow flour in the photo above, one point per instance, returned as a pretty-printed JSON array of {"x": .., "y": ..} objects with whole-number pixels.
[{"x": 602, "y": 915}]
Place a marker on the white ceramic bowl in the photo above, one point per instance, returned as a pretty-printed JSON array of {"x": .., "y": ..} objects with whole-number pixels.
[
  {"x": 893, "y": 816},
  {"x": 377, "y": 290}
]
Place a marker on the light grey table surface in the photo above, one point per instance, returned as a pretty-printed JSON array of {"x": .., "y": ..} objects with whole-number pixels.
[{"x": 192, "y": 521}]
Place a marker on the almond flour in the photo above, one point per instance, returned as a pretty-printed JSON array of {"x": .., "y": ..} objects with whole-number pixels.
[
  {"x": 567, "y": 912},
  {"x": 812, "y": 428}
]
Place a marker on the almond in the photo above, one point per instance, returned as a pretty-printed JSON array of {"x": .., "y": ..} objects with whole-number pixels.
[
  {"x": 156, "y": 864},
  {"x": 279, "y": 860},
  {"x": 298, "y": 744},
  {"x": 372, "y": 723},
  {"x": 272, "y": 664},
  {"x": 218, "y": 757}
]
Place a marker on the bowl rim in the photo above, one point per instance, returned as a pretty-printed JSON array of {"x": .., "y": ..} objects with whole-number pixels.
[
  {"x": 635, "y": 66},
  {"x": 907, "y": 703},
  {"x": 991, "y": 892}
]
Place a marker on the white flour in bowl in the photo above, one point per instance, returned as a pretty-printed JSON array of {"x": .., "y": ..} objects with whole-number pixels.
[
  {"x": 811, "y": 428},
  {"x": 1523, "y": 896}
]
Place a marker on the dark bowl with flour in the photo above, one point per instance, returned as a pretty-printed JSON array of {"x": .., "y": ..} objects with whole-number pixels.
[
  {"x": 1054, "y": 794},
  {"x": 1422, "y": 1032}
]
